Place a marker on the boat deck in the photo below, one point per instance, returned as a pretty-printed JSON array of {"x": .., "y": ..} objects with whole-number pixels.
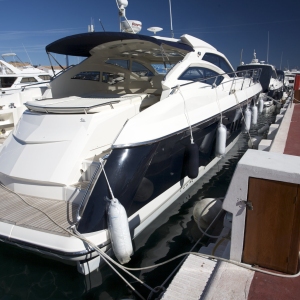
[
  {"x": 75, "y": 104},
  {"x": 31, "y": 212}
]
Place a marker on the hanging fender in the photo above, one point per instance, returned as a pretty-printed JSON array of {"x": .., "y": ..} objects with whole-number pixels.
[
  {"x": 254, "y": 114},
  {"x": 247, "y": 119},
  {"x": 119, "y": 231},
  {"x": 192, "y": 166},
  {"x": 221, "y": 140},
  {"x": 260, "y": 105}
]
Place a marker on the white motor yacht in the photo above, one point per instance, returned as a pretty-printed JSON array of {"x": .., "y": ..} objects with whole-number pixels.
[
  {"x": 113, "y": 112},
  {"x": 19, "y": 82},
  {"x": 16, "y": 75}
]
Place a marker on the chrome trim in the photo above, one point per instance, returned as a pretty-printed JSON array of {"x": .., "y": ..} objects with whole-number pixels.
[{"x": 73, "y": 109}]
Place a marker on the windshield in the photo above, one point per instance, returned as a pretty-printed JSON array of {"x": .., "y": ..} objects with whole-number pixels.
[
  {"x": 160, "y": 68},
  {"x": 7, "y": 82}
]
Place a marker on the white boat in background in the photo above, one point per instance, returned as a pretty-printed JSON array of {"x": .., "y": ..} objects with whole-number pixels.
[
  {"x": 290, "y": 76},
  {"x": 16, "y": 75},
  {"x": 19, "y": 82}
]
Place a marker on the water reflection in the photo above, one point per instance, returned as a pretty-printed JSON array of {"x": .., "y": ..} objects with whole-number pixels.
[{"x": 26, "y": 276}]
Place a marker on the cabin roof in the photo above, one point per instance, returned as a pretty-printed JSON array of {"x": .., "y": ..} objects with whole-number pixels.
[{"x": 82, "y": 44}]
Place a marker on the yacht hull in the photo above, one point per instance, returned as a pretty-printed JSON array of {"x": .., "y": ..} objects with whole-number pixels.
[{"x": 146, "y": 179}]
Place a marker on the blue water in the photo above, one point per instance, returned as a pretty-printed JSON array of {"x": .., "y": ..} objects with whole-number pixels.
[{"x": 26, "y": 276}]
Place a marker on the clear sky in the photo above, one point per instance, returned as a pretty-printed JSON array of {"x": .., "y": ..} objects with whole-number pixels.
[{"x": 230, "y": 26}]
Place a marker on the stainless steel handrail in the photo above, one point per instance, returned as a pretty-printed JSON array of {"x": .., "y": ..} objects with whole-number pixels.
[
  {"x": 78, "y": 216},
  {"x": 245, "y": 74},
  {"x": 84, "y": 109}
]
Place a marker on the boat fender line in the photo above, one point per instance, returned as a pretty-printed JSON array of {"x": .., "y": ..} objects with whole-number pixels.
[
  {"x": 260, "y": 105},
  {"x": 238, "y": 102},
  {"x": 73, "y": 231},
  {"x": 254, "y": 114},
  {"x": 192, "y": 150},
  {"x": 221, "y": 140},
  {"x": 118, "y": 227},
  {"x": 247, "y": 119},
  {"x": 111, "y": 262},
  {"x": 276, "y": 101},
  {"x": 221, "y": 136},
  {"x": 192, "y": 166},
  {"x": 119, "y": 231}
]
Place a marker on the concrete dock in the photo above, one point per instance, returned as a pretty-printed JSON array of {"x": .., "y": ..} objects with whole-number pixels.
[{"x": 206, "y": 278}]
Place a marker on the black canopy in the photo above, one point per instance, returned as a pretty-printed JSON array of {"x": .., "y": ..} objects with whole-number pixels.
[
  {"x": 265, "y": 76},
  {"x": 81, "y": 44},
  {"x": 280, "y": 74}
]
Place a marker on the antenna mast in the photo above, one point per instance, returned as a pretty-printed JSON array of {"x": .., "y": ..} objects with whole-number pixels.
[
  {"x": 268, "y": 49},
  {"x": 91, "y": 27},
  {"x": 102, "y": 25},
  {"x": 241, "y": 57},
  {"x": 27, "y": 54},
  {"x": 172, "y": 32}
]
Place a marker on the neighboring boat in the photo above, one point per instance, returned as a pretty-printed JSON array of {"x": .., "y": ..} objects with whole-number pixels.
[
  {"x": 289, "y": 79},
  {"x": 290, "y": 76},
  {"x": 16, "y": 75},
  {"x": 141, "y": 124},
  {"x": 271, "y": 84},
  {"x": 19, "y": 82}
]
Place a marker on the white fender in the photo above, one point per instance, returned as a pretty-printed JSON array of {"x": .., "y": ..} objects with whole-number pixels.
[
  {"x": 221, "y": 140},
  {"x": 247, "y": 116},
  {"x": 254, "y": 114},
  {"x": 260, "y": 105},
  {"x": 206, "y": 210},
  {"x": 119, "y": 231}
]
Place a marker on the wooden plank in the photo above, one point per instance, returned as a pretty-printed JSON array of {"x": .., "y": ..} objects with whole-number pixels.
[
  {"x": 270, "y": 225},
  {"x": 16, "y": 211},
  {"x": 295, "y": 244}
]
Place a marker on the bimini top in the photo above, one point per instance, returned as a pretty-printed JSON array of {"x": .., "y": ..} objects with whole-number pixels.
[
  {"x": 82, "y": 44},
  {"x": 265, "y": 76}
]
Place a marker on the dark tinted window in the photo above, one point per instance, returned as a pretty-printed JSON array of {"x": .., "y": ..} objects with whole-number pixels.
[
  {"x": 6, "y": 82},
  {"x": 219, "y": 62},
  {"x": 212, "y": 58},
  {"x": 274, "y": 75},
  {"x": 112, "y": 78},
  {"x": 193, "y": 73},
  {"x": 88, "y": 75},
  {"x": 28, "y": 79},
  {"x": 225, "y": 66},
  {"x": 161, "y": 68},
  {"x": 45, "y": 77},
  {"x": 123, "y": 63},
  {"x": 199, "y": 74},
  {"x": 140, "y": 69}
]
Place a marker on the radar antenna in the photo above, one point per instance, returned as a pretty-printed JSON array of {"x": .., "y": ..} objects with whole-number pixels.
[
  {"x": 154, "y": 29},
  {"x": 129, "y": 26}
]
